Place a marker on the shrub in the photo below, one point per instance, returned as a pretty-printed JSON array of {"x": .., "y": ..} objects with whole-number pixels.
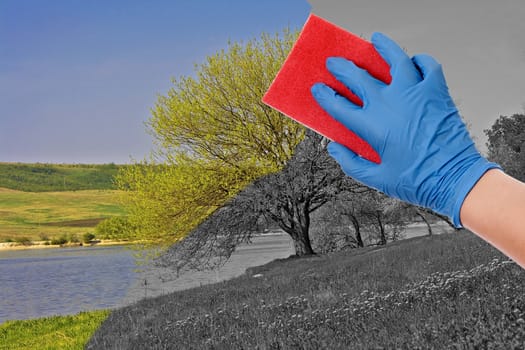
[
  {"x": 23, "y": 241},
  {"x": 73, "y": 238},
  {"x": 88, "y": 237},
  {"x": 59, "y": 241},
  {"x": 116, "y": 227}
]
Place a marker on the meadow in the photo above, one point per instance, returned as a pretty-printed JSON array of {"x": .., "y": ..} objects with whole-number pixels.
[
  {"x": 39, "y": 202},
  {"x": 444, "y": 291},
  {"x": 40, "y": 216},
  {"x": 41, "y": 177},
  {"x": 59, "y": 332}
]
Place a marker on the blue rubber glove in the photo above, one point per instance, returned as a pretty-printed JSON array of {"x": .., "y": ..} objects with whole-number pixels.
[{"x": 427, "y": 155}]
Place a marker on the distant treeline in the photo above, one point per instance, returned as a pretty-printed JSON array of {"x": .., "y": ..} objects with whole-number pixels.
[{"x": 42, "y": 177}]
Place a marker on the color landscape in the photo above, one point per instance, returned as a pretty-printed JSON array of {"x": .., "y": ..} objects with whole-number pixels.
[{"x": 42, "y": 202}]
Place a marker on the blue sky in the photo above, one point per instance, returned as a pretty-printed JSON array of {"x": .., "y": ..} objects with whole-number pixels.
[{"x": 78, "y": 78}]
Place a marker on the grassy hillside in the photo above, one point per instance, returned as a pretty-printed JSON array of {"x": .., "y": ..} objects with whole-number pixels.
[
  {"x": 446, "y": 291},
  {"x": 51, "y": 214},
  {"x": 60, "y": 332},
  {"x": 57, "y": 177}
]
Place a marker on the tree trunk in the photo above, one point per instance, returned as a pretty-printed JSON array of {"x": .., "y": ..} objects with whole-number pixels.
[
  {"x": 442, "y": 217},
  {"x": 429, "y": 228},
  {"x": 303, "y": 246},
  {"x": 381, "y": 229},
  {"x": 357, "y": 229},
  {"x": 300, "y": 237}
]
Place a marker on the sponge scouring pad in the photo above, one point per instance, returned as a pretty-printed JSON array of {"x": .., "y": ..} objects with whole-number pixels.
[{"x": 290, "y": 93}]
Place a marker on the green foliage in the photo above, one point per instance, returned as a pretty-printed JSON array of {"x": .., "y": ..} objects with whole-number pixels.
[
  {"x": 23, "y": 240},
  {"x": 116, "y": 228},
  {"x": 59, "y": 240},
  {"x": 443, "y": 291},
  {"x": 214, "y": 137},
  {"x": 73, "y": 238},
  {"x": 88, "y": 237},
  {"x": 57, "y": 177},
  {"x": 64, "y": 239},
  {"x": 286, "y": 198},
  {"x": 219, "y": 114},
  {"x": 58, "y": 332}
]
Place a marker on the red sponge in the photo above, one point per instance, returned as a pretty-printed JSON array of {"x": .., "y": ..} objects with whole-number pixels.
[{"x": 305, "y": 65}]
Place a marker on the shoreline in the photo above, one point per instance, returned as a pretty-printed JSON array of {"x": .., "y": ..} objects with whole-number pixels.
[
  {"x": 11, "y": 246},
  {"x": 155, "y": 286}
]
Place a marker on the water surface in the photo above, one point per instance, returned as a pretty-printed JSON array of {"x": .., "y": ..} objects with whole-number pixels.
[{"x": 44, "y": 282}]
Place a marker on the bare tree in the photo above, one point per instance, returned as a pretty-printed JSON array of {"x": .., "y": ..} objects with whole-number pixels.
[
  {"x": 310, "y": 180},
  {"x": 287, "y": 199},
  {"x": 358, "y": 218}
]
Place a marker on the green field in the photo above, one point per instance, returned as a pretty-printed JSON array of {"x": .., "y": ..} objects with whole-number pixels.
[
  {"x": 41, "y": 215},
  {"x": 60, "y": 332},
  {"x": 45, "y": 201},
  {"x": 57, "y": 177}
]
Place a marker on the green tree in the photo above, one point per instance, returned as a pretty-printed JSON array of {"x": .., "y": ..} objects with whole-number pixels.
[
  {"x": 287, "y": 198},
  {"x": 116, "y": 227},
  {"x": 88, "y": 237},
  {"x": 506, "y": 144},
  {"x": 214, "y": 136}
]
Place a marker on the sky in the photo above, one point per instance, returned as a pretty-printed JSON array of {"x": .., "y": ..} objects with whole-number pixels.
[
  {"x": 78, "y": 78},
  {"x": 480, "y": 44}
]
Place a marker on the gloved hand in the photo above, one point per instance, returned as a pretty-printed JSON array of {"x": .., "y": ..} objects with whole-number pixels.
[{"x": 427, "y": 155}]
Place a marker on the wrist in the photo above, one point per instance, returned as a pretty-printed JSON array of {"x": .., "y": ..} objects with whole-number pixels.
[
  {"x": 468, "y": 181},
  {"x": 457, "y": 185}
]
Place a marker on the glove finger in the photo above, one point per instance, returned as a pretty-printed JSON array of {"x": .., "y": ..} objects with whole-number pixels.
[
  {"x": 426, "y": 64},
  {"x": 353, "y": 165},
  {"x": 402, "y": 68},
  {"x": 342, "y": 110},
  {"x": 434, "y": 77},
  {"x": 358, "y": 80}
]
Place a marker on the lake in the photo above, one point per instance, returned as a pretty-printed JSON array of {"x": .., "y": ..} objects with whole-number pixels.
[{"x": 44, "y": 282}]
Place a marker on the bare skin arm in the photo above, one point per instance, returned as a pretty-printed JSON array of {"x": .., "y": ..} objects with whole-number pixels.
[{"x": 495, "y": 210}]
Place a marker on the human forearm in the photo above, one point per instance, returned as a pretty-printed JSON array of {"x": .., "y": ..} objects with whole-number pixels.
[{"x": 495, "y": 210}]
